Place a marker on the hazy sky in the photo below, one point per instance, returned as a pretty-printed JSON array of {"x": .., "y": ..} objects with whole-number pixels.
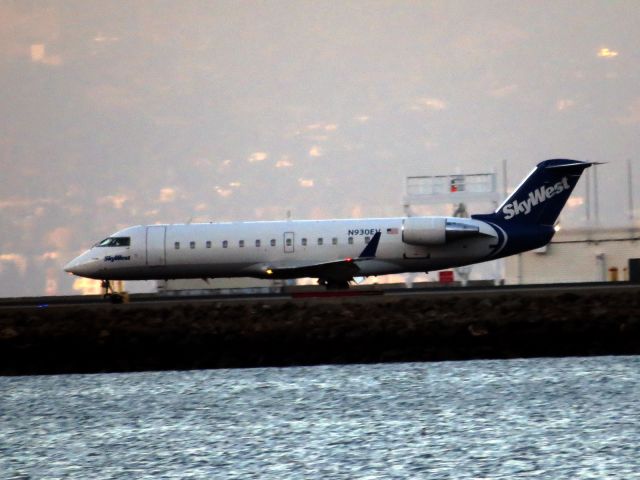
[{"x": 121, "y": 113}]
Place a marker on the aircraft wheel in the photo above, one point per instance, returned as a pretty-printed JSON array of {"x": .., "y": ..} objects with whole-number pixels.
[
  {"x": 115, "y": 298},
  {"x": 332, "y": 285}
]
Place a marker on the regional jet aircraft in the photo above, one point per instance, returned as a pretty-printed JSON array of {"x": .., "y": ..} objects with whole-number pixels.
[{"x": 336, "y": 251}]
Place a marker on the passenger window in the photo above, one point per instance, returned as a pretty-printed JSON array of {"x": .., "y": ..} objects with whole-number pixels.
[
  {"x": 257, "y": 243},
  {"x": 225, "y": 243},
  {"x": 208, "y": 244},
  {"x": 350, "y": 240},
  {"x": 304, "y": 242},
  {"x": 334, "y": 240},
  {"x": 366, "y": 239},
  {"x": 288, "y": 242},
  {"x": 176, "y": 245},
  {"x": 241, "y": 243},
  {"x": 192, "y": 245},
  {"x": 273, "y": 242},
  {"x": 320, "y": 241}
]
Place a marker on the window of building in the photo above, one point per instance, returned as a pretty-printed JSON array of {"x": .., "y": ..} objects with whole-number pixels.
[
  {"x": 366, "y": 239},
  {"x": 273, "y": 242},
  {"x": 257, "y": 243},
  {"x": 320, "y": 241},
  {"x": 176, "y": 245},
  {"x": 350, "y": 240},
  {"x": 304, "y": 242},
  {"x": 208, "y": 244},
  {"x": 225, "y": 243},
  {"x": 334, "y": 241},
  {"x": 241, "y": 243},
  {"x": 192, "y": 245}
]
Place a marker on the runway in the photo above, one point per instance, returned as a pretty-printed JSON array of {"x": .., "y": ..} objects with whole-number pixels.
[{"x": 356, "y": 294}]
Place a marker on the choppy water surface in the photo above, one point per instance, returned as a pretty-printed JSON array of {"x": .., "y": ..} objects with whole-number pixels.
[{"x": 553, "y": 418}]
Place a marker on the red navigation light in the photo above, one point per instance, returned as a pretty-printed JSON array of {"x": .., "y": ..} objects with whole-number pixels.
[{"x": 348, "y": 260}]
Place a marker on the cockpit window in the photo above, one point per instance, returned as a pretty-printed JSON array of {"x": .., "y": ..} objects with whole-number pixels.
[{"x": 115, "y": 242}]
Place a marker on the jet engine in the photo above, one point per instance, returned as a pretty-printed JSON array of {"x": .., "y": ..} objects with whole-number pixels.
[
  {"x": 435, "y": 230},
  {"x": 424, "y": 230}
]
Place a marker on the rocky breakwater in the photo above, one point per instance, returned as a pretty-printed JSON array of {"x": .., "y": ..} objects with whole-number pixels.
[{"x": 105, "y": 338}]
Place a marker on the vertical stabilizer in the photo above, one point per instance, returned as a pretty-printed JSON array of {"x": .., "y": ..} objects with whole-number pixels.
[
  {"x": 539, "y": 199},
  {"x": 525, "y": 219}
]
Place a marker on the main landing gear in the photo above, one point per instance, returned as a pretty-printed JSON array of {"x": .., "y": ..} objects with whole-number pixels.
[
  {"x": 113, "y": 297},
  {"x": 334, "y": 284}
]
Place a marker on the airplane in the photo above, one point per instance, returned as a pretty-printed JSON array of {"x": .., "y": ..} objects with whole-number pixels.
[{"x": 336, "y": 251}]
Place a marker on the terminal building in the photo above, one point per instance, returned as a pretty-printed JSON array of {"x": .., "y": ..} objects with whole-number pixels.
[{"x": 578, "y": 255}]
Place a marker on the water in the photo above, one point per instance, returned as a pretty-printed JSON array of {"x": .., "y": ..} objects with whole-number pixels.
[{"x": 538, "y": 418}]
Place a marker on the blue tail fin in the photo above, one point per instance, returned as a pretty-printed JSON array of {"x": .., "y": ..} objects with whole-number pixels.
[
  {"x": 525, "y": 220},
  {"x": 541, "y": 196}
]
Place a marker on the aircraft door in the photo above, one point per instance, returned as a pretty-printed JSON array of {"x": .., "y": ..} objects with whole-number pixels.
[
  {"x": 156, "y": 251},
  {"x": 289, "y": 242}
]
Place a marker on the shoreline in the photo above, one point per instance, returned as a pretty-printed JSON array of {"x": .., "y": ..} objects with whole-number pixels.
[{"x": 201, "y": 335}]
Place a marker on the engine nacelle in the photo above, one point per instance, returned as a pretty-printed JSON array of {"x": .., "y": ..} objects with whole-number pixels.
[{"x": 424, "y": 230}]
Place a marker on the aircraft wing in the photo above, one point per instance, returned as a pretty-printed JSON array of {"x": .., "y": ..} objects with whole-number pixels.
[{"x": 337, "y": 270}]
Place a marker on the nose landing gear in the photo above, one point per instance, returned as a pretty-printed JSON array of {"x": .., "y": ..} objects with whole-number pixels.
[{"x": 113, "y": 297}]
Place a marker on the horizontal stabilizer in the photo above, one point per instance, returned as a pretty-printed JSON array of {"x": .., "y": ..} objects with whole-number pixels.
[{"x": 573, "y": 164}]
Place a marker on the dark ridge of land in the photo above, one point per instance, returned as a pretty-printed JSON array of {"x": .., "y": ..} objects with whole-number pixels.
[{"x": 198, "y": 335}]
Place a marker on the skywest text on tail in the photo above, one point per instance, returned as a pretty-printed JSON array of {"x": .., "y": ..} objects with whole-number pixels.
[{"x": 537, "y": 196}]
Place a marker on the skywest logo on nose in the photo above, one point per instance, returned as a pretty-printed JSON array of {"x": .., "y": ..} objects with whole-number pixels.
[
  {"x": 116, "y": 258},
  {"x": 539, "y": 195}
]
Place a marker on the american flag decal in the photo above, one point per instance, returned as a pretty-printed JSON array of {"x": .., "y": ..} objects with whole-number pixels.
[{"x": 393, "y": 231}]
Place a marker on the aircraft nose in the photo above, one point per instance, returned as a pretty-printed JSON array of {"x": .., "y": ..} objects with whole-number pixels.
[
  {"x": 83, "y": 265},
  {"x": 71, "y": 266}
]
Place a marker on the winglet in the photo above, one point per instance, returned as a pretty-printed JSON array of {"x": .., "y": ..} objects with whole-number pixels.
[{"x": 370, "y": 250}]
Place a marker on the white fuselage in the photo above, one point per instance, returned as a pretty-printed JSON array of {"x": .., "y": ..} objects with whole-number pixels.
[{"x": 253, "y": 249}]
